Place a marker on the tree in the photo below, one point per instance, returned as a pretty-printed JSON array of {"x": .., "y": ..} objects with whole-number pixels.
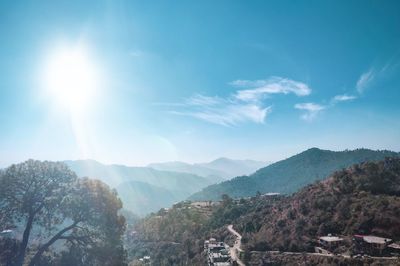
[
  {"x": 81, "y": 212},
  {"x": 226, "y": 200}
]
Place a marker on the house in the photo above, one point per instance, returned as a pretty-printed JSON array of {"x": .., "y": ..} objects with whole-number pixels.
[
  {"x": 220, "y": 257},
  {"x": 372, "y": 245},
  {"x": 271, "y": 194},
  {"x": 216, "y": 247},
  {"x": 394, "y": 249},
  {"x": 330, "y": 242},
  {"x": 201, "y": 204},
  {"x": 218, "y": 253}
]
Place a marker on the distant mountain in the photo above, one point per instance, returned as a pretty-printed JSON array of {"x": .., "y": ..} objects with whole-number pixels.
[
  {"x": 221, "y": 167},
  {"x": 190, "y": 168},
  {"x": 149, "y": 183},
  {"x": 234, "y": 168},
  {"x": 142, "y": 198},
  {"x": 287, "y": 176}
]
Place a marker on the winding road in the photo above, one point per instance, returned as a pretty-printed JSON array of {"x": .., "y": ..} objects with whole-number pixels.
[{"x": 236, "y": 247}]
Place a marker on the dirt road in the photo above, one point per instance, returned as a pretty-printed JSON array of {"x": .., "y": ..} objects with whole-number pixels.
[{"x": 236, "y": 247}]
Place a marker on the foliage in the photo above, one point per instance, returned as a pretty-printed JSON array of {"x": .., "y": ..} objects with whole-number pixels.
[
  {"x": 176, "y": 236},
  {"x": 81, "y": 213},
  {"x": 170, "y": 237},
  {"x": 361, "y": 199}
]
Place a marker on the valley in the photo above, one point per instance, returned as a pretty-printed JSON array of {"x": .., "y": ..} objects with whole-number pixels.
[{"x": 147, "y": 189}]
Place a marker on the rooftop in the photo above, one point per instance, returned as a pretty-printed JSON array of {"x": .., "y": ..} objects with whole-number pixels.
[
  {"x": 374, "y": 239},
  {"x": 219, "y": 255},
  {"x": 271, "y": 194},
  {"x": 331, "y": 238},
  {"x": 394, "y": 245}
]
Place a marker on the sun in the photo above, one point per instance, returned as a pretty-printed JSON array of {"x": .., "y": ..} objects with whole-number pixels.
[{"x": 70, "y": 77}]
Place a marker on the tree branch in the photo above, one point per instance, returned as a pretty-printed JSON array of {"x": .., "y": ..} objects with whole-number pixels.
[{"x": 56, "y": 237}]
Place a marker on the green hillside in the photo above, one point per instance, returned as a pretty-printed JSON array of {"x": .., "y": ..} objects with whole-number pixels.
[
  {"x": 363, "y": 199},
  {"x": 287, "y": 176}
]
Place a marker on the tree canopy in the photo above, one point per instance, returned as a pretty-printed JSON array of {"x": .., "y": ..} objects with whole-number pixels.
[{"x": 82, "y": 214}]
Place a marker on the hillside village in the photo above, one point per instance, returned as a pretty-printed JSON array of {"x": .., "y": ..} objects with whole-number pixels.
[
  {"x": 362, "y": 247},
  {"x": 205, "y": 226}
]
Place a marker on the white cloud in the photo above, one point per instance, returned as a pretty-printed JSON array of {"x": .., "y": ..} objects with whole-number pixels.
[
  {"x": 244, "y": 105},
  {"x": 343, "y": 98},
  {"x": 365, "y": 80},
  {"x": 311, "y": 110},
  {"x": 225, "y": 112},
  {"x": 257, "y": 89}
]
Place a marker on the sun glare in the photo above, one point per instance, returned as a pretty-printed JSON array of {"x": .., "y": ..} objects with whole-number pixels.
[{"x": 70, "y": 77}]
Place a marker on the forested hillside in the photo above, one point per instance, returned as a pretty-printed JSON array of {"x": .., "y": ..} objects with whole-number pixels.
[
  {"x": 287, "y": 176},
  {"x": 363, "y": 199}
]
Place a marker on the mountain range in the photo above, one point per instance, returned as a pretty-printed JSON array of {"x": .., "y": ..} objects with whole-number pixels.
[
  {"x": 221, "y": 167},
  {"x": 289, "y": 175},
  {"x": 147, "y": 189},
  {"x": 142, "y": 189}
]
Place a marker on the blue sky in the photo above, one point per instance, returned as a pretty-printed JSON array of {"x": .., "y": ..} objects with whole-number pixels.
[{"x": 196, "y": 80}]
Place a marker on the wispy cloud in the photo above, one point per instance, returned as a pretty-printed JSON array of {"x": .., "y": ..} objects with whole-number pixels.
[
  {"x": 243, "y": 105},
  {"x": 310, "y": 110},
  {"x": 365, "y": 80},
  {"x": 200, "y": 100},
  {"x": 258, "y": 89},
  {"x": 225, "y": 112},
  {"x": 343, "y": 98},
  {"x": 374, "y": 75}
]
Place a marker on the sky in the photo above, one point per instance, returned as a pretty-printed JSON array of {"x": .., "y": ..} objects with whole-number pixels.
[{"x": 135, "y": 82}]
